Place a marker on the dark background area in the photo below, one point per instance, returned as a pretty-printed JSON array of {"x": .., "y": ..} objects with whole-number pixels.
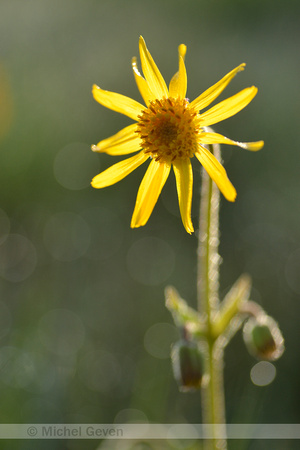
[{"x": 85, "y": 335}]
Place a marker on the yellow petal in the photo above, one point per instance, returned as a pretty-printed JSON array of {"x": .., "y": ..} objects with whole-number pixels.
[
  {"x": 214, "y": 91},
  {"x": 142, "y": 84},
  {"x": 149, "y": 191},
  {"x": 216, "y": 172},
  {"x": 117, "y": 102},
  {"x": 215, "y": 138},
  {"x": 182, "y": 51},
  {"x": 178, "y": 84},
  {"x": 124, "y": 142},
  {"x": 228, "y": 107},
  {"x": 184, "y": 182},
  {"x": 118, "y": 171},
  {"x": 153, "y": 76}
]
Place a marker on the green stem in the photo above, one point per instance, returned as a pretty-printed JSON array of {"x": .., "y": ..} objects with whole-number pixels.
[{"x": 213, "y": 404}]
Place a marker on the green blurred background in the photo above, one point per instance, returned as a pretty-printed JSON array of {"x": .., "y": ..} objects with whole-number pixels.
[{"x": 85, "y": 336}]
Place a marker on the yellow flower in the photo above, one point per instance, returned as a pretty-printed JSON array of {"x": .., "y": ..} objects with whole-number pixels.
[{"x": 169, "y": 130}]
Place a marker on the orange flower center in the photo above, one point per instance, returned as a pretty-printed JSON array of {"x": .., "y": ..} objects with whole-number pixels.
[{"x": 168, "y": 130}]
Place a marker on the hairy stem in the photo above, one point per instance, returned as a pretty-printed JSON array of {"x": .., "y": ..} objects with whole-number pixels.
[{"x": 213, "y": 405}]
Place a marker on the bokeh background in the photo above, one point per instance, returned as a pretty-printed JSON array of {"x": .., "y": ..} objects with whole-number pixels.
[{"x": 85, "y": 336}]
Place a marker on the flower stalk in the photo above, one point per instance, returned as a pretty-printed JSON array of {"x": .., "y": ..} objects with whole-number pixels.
[{"x": 213, "y": 403}]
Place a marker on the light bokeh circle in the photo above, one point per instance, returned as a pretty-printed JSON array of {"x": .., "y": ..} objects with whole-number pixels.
[{"x": 263, "y": 373}]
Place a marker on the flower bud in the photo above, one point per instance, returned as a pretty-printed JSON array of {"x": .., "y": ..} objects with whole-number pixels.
[
  {"x": 263, "y": 338},
  {"x": 188, "y": 365}
]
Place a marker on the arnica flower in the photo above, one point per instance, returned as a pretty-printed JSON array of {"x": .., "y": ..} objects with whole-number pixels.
[{"x": 169, "y": 131}]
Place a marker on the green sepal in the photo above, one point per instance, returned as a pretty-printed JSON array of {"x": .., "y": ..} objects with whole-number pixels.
[
  {"x": 227, "y": 319},
  {"x": 183, "y": 315}
]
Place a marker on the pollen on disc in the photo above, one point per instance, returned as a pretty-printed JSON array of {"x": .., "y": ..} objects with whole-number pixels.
[{"x": 168, "y": 130}]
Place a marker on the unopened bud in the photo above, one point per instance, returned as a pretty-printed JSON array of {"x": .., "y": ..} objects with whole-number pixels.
[
  {"x": 188, "y": 365},
  {"x": 263, "y": 338}
]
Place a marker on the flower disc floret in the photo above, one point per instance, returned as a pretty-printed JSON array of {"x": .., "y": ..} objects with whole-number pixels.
[{"x": 168, "y": 130}]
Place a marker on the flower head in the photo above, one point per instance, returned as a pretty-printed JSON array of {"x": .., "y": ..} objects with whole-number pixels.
[{"x": 169, "y": 131}]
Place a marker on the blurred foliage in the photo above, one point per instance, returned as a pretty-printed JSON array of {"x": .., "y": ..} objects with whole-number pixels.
[{"x": 81, "y": 291}]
